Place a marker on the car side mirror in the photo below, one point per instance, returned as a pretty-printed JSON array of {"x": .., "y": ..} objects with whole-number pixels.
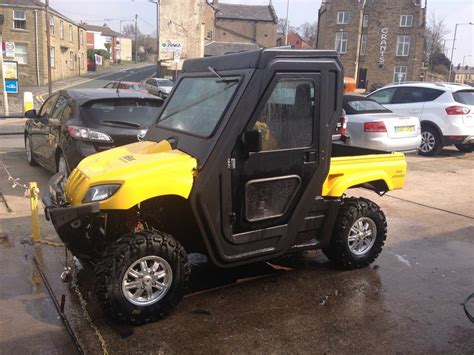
[
  {"x": 30, "y": 114},
  {"x": 252, "y": 141}
]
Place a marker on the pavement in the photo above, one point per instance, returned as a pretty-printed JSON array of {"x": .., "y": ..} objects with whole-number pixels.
[
  {"x": 408, "y": 300},
  {"x": 128, "y": 72}
]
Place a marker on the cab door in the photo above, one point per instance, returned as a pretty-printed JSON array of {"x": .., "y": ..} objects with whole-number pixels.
[
  {"x": 40, "y": 128},
  {"x": 268, "y": 184},
  {"x": 54, "y": 131}
]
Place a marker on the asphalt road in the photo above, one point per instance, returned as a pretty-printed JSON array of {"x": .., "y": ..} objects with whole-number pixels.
[{"x": 409, "y": 300}]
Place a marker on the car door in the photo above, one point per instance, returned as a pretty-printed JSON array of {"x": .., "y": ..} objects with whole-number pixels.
[
  {"x": 40, "y": 128},
  {"x": 267, "y": 185},
  {"x": 408, "y": 101},
  {"x": 54, "y": 132}
]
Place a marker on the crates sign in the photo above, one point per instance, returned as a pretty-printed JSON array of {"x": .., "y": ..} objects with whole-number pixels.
[
  {"x": 10, "y": 49},
  {"x": 170, "y": 46},
  {"x": 383, "y": 45},
  {"x": 11, "y": 86}
]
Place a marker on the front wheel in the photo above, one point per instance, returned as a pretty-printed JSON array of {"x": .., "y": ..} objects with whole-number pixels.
[
  {"x": 465, "y": 148},
  {"x": 359, "y": 234},
  {"x": 142, "y": 276}
]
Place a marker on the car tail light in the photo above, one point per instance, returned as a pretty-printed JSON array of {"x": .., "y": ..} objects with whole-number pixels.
[
  {"x": 344, "y": 125},
  {"x": 457, "y": 110},
  {"x": 88, "y": 134},
  {"x": 377, "y": 126}
]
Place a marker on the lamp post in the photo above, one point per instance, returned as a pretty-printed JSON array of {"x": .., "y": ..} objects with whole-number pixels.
[
  {"x": 464, "y": 58},
  {"x": 4, "y": 88},
  {"x": 454, "y": 41},
  {"x": 157, "y": 2},
  {"x": 287, "y": 25}
]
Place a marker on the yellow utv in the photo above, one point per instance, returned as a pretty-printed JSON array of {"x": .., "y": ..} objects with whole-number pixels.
[{"x": 239, "y": 166}]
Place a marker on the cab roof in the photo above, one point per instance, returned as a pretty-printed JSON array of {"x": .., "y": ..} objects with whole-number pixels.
[{"x": 255, "y": 59}]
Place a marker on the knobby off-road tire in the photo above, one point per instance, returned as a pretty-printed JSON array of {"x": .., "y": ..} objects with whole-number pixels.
[
  {"x": 356, "y": 218},
  {"x": 121, "y": 267},
  {"x": 465, "y": 148}
]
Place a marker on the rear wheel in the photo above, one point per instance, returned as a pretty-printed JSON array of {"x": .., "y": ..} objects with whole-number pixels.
[
  {"x": 30, "y": 158},
  {"x": 359, "y": 234},
  {"x": 466, "y": 148},
  {"x": 430, "y": 142},
  {"x": 142, "y": 276}
]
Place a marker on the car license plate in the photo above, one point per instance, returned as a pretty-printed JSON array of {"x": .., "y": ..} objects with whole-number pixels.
[{"x": 404, "y": 129}]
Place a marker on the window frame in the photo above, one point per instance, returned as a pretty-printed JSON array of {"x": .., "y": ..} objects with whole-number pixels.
[
  {"x": 403, "y": 47},
  {"x": 51, "y": 25},
  {"x": 404, "y": 21},
  {"x": 363, "y": 44},
  {"x": 395, "y": 73},
  {"x": 71, "y": 34},
  {"x": 61, "y": 29},
  {"x": 342, "y": 41},
  {"x": 52, "y": 55},
  {"x": 365, "y": 21},
  {"x": 23, "y": 20},
  {"x": 23, "y": 54},
  {"x": 344, "y": 20}
]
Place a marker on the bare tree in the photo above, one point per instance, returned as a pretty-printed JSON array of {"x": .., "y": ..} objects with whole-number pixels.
[
  {"x": 309, "y": 32},
  {"x": 435, "y": 35},
  {"x": 281, "y": 26}
]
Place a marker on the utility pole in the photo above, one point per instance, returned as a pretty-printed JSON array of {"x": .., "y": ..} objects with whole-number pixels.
[
  {"x": 454, "y": 42},
  {"x": 136, "y": 39},
  {"x": 287, "y": 21},
  {"x": 48, "y": 45},
  {"x": 6, "y": 110},
  {"x": 158, "y": 66}
]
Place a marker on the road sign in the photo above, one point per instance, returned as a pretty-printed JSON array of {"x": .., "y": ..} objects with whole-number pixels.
[
  {"x": 10, "y": 70},
  {"x": 11, "y": 86},
  {"x": 176, "y": 57},
  {"x": 10, "y": 49},
  {"x": 170, "y": 46}
]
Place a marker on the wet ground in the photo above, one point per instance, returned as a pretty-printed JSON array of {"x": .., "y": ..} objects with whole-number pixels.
[{"x": 409, "y": 300}]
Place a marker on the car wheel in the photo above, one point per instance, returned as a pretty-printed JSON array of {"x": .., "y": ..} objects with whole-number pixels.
[
  {"x": 160, "y": 95},
  {"x": 466, "y": 148},
  {"x": 142, "y": 276},
  {"x": 30, "y": 157},
  {"x": 359, "y": 234},
  {"x": 430, "y": 142}
]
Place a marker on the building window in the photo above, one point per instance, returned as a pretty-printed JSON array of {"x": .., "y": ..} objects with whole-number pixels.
[
  {"x": 341, "y": 42},
  {"x": 406, "y": 21},
  {"x": 70, "y": 33},
  {"x": 343, "y": 18},
  {"x": 81, "y": 38},
  {"x": 61, "y": 29},
  {"x": 21, "y": 53},
  {"x": 81, "y": 61},
  {"x": 51, "y": 25},
  {"x": 403, "y": 46},
  {"x": 71, "y": 60},
  {"x": 209, "y": 35},
  {"x": 19, "y": 20},
  {"x": 365, "y": 22},
  {"x": 52, "y": 54},
  {"x": 363, "y": 44},
  {"x": 400, "y": 74}
]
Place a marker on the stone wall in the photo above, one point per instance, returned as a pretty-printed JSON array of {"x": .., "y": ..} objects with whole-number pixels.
[{"x": 260, "y": 32}]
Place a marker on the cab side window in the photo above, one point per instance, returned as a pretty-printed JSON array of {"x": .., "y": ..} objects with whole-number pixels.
[
  {"x": 48, "y": 107},
  {"x": 383, "y": 96},
  {"x": 60, "y": 104},
  {"x": 408, "y": 95},
  {"x": 286, "y": 120}
]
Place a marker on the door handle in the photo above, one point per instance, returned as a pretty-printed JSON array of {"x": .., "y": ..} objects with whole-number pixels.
[{"x": 309, "y": 157}]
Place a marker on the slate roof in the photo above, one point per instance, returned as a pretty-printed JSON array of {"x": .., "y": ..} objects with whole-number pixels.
[
  {"x": 246, "y": 12},
  {"x": 105, "y": 30},
  {"x": 219, "y": 48}
]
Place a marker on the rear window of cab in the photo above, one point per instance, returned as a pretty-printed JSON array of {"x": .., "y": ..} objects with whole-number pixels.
[{"x": 465, "y": 97}]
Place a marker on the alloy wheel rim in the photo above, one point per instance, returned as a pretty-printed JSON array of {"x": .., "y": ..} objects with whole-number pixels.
[
  {"x": 147, "y": 280},
  {"x": 362, "y": 236},
  {"x": 427, "y": 142}
]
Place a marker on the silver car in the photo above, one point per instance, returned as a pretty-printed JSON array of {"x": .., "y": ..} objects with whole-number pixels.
[
  {"x": 158, "y": 87},
  {"x": 370, "y": 125}
]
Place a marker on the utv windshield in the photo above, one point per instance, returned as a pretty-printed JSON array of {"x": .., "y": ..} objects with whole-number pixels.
[{"x": 198, "y": 104}]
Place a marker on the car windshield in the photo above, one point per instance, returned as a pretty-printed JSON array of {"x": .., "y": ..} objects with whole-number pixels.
[
  {"x": 465, "y": 97},
  {"x": 163, "y": 82},
  {"x": 132, "y": 110},
  {"x": 198, "y": 104},
  {"x": 366, "y": 106}
]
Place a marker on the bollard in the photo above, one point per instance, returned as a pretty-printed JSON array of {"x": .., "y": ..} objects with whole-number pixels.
[
  {"x": 28, "y": 102},
  {"x": 35, "y": 223}
]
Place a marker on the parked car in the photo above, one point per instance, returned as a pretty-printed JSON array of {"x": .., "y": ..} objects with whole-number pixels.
[
  {"x": 445, "y": 112},
  {"x": 126, "y": 85},
  {"x": 372, "y": 126},
  {"x": 73, "y": 124},
  {"x": 158, "y": 86}
]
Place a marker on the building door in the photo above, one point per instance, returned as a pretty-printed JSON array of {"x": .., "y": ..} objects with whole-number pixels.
[{"x": 362, "y": 79}]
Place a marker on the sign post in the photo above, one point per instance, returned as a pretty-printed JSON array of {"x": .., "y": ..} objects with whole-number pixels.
[
  {"x": 176, "y": 60},
  {"x": 6, "y": 111}
]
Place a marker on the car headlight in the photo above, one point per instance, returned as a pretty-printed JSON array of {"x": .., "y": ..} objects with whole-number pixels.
[{"x": 100, "y": 192}]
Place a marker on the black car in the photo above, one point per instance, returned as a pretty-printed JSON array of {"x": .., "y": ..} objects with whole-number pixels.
[{"x": 73, "y": 124}]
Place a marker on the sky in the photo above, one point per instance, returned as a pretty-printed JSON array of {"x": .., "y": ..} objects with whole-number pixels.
[{"x": 98, "y": 12}]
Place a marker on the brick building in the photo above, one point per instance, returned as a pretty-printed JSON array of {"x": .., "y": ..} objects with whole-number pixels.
[
  {"x": 294, "y": 40},
  {"x": 379, "y": 41},
  {"x": 103, "y": 37},
  {"x": 25, "y": 25}
]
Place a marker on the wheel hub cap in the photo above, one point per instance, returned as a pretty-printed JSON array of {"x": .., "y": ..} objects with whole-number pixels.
[
  {"x": 362, "y": 236},
  {"x": 427, "y": 142},
  {"x": 147, "y": 280}
]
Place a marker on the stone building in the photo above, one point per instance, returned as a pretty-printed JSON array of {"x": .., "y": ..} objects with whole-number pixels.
[
  {"x": 379, "y": 41},
  {"x": 25, "y": 25},
  {"x": 464, "y": 75}
]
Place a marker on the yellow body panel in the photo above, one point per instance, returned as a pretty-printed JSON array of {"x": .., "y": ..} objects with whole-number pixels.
[
  {"x": 346, "y": 172},
  {"x": 144, "y": 169},
  {"x": 147, "y": 169}
]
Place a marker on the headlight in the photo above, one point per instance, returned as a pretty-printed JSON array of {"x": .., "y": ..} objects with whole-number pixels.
[{"x": 100, "y": 193}]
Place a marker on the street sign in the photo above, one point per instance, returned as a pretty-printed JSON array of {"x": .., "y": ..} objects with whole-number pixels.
[
  {"x": 11, "y": 86},
  {"x": 170, "y": 46},
  {"x": 176, "y": 57},
  {"x": 10, "y": 70},
  {"x": 10, "y": 49}
]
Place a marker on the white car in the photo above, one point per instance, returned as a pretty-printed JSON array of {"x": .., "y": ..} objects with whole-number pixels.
[
  {"x": 158, "y": 87},
  {"x": 445, "y": 110}
]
